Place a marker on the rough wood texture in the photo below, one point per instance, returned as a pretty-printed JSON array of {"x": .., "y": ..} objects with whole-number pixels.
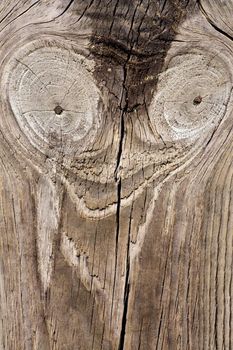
[{"x": 116, "y": 147}]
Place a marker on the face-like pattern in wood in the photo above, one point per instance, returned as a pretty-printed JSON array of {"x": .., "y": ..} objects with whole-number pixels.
[
  {"x": 114, "y": 118},
  {"x": 59, "y": 110}
]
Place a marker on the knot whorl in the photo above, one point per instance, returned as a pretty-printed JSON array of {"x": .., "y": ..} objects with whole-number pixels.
[
  {"x": 192, "y": 95},
  {"x": 52, "y": 98}
]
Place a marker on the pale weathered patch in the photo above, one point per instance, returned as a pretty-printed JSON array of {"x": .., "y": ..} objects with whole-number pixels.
[
  {"x": 192, "y": 96},
  {"x": 53, "y": 95}
]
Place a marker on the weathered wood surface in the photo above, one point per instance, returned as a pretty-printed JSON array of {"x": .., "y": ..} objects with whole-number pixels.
[{"x": 116, "y": 218}]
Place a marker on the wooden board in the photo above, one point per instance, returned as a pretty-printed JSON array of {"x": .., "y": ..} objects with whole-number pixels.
[{"x": 116, "y": 215}]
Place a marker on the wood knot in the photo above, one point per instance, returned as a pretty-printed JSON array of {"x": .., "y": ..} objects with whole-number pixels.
[
  {"x": 197, "y": 100},
  {"x": 181, "y": 113},
  {"x": 58, "y": 110}
]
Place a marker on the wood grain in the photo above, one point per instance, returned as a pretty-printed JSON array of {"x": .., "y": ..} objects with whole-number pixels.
[{"x": 116, "y": 214}]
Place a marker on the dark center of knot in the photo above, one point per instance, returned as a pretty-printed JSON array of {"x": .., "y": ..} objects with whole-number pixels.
[
  {"x": 197, "y": 100},
  {"x": 58, "y": 110}
]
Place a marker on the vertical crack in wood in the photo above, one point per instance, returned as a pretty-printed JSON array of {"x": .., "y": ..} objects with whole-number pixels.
[
  {"x": 126, "y": 296},
  {"x": 123, "y": 106},
  {"x": 126, "y": 287},
  {"x": 125, "y": 310},
  {"x": 125, "y": 99}
]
